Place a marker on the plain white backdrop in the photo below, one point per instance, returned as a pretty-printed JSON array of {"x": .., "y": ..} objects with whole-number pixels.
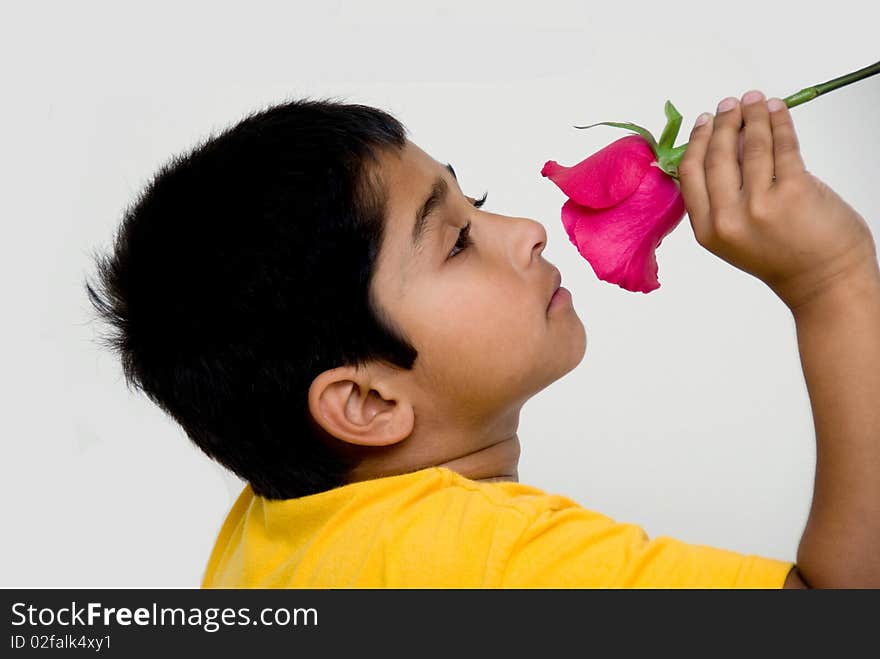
[{"x": 688, "y": 414}]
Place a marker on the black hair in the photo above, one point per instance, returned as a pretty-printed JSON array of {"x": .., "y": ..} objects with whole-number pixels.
[{"x": 242, "y": 271}]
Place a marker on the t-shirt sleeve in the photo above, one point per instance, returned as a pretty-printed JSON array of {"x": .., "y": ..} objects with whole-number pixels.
[{"x": 573, "y": 547}]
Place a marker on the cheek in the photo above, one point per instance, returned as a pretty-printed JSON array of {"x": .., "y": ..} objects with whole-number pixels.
[
  {"x": 481, "y": 307},
  {"x": 493, "y": 334},
  {"x": 463, "y": 324},
  {"x": 476, "y": 353}
]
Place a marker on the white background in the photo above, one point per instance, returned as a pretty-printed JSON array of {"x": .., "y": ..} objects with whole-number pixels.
[{"x": 688, "y": 414}]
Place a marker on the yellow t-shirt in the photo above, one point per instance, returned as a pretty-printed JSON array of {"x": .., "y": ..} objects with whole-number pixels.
[{"x": 434, "y": 528}]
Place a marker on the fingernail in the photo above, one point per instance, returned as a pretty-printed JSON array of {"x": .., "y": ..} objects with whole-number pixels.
[
  {"x": 727, "y": 104},
  {"x": 703, "y": 118},
  {"x": 775, "y": 104},
  {"x": 752, "y": 97}
]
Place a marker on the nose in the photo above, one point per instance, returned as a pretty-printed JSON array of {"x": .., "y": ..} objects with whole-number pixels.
[
  {"x": 535, "y": 238},
  {"x": 524, "y": 239}
]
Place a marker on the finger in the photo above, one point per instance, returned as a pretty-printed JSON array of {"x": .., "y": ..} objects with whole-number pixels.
[
  {"x": 692, "y": 176},
  {"x": 786, "y": 148},
  {"x": 723, "y": 178},
  {"x": 757, "y": 148}
]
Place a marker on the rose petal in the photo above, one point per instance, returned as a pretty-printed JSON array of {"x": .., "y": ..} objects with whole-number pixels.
[
  {"x": 608, "y": 176},
  {"x": 620, "y": 242}
]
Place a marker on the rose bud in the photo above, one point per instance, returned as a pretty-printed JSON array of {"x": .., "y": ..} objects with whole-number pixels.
[{"x": 622, "y": 201}]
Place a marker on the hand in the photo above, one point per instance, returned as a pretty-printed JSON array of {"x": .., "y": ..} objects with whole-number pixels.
[{"x": 752, "y": 203}]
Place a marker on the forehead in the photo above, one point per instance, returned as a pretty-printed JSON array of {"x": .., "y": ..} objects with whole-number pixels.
[
  {"x": 407, "y": 176},
  {"x": 407, "y": 172}
]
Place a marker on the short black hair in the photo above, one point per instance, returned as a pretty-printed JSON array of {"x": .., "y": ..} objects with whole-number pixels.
[{"x": 242, "y": 271}]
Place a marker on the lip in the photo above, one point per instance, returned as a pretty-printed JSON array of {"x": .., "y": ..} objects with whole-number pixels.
[{"x": 557, "y": 282}]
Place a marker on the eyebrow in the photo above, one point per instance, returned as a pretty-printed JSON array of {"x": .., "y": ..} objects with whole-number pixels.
[{"x": 435, "y": 199}]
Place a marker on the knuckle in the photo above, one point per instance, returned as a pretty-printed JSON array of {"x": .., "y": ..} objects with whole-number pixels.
[
  {"x": 758, "y": 207},
  {"x": 786, "y": 144},
  {"x": 705, "y": 237},
  {"x": 801, "y": 194},
  {"x": 688, "y": 166},
  {"x": 793, "y": 199},
  {"x": 714, "y": 163},
  {"x": 755, "y": 146},
  {"x": 727, "y": 227},
  {"x": 730, "y": 121},
  {"x": 796, "y": 188},
  {"x": 714, "y": 156},
  {"x": 781, "y": 120}
]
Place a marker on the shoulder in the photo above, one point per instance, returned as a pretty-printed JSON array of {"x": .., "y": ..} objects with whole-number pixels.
[
  {"x": 439, "y": 501},
  {"x": 439, "y": 527},
  {"x": 500, "y": 497}
]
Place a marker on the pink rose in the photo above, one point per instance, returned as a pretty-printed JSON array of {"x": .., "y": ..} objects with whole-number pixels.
[
  {"x": 624, "y": 199},
  {"x": 621, "y": 205}
]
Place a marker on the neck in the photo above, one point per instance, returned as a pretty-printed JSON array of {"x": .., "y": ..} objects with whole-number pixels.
[
  {"x": 497, "y": 462},
  {"x": 487, "y": 451}
]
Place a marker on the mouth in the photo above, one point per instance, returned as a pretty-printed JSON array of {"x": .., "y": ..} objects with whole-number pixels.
[{"x": 556, "y": 283}]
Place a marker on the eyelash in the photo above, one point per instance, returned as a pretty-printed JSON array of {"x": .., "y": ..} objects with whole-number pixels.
[{"x": 464, "y": 240}]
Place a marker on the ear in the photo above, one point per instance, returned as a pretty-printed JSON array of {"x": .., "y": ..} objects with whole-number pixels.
[{"x": 356, "y": 407}]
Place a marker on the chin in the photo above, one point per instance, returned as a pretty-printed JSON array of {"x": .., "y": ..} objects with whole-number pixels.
[
  {"x": 565, "y": 359},
  {"x": 584, "y": 340},
  {"x": 577, "y": 348}
]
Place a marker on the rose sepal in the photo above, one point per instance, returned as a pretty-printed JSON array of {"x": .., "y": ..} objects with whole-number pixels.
[{"x": 667, "y": 156}]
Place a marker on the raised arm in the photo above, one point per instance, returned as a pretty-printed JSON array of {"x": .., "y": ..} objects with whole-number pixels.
[
  {"x": 838, "y": 334},
  {"x": 762, "y": 212}
]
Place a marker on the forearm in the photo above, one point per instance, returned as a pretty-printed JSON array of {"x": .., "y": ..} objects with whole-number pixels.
[{"x": 839, "y": 341}]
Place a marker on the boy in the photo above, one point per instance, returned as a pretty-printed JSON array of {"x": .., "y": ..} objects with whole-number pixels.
[{"x": 327, "y": 314}]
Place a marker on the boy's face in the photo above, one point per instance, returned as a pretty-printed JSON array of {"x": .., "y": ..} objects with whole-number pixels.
[{"x": 477, "y": 316}]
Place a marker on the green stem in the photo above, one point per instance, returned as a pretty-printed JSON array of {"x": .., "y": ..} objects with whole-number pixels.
[{"x": 808, "y": 94}]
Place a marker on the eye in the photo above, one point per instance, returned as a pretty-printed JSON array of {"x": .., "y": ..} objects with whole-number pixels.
[{"x": 464, "y": 240}]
